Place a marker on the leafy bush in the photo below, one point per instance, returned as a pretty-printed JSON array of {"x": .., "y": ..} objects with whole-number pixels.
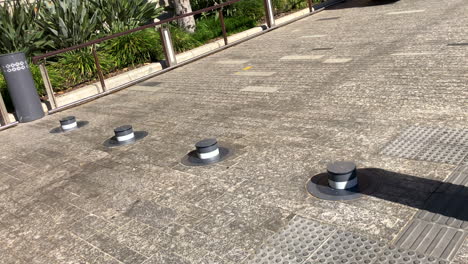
[
  {"x": 282, "y": 6},
  {"x": 182, "y": 40},
  {"x": 78, "y": 66},
  {"x": 55, "y": 77},
  {"x": 18, "y": 30},
  {"x": 120, "y": 15},
  {"x": 249, "y": 8},
  {"x": 70, "y": 22},
  {"x": 4, "y": 93},
  {"x": 135, "y": 48}
]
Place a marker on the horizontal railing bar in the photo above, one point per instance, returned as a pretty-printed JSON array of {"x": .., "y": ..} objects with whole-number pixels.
[
  {"x": 9, "y": 125},
  {"x": 141, "y": 79},
  {"x": 116, "y": 35}
]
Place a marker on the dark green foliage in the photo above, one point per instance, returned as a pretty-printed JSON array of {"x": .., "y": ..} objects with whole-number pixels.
[
  {"x": 78, "y": 66},
  {"x": 136, "y": 48},
  {"x": 238, "y": 24},
  {"x": 120, "y": 15},
  {"x": 282, "y": 6},
  {"x": 182, "y": 40},
  {"x": 4, "y": 93},
  {"x": 56, "y": 79},
  {"x": 70, "y": 22},
  {"x": 18, "y": 30},
  {"x": 249, "y": 8}
]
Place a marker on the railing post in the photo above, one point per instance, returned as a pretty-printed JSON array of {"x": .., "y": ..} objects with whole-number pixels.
[
  {"x": 48, "y": 86},
  {"x": 4, "y": 118},
  {"x": 223, "y": 25},
  {"x": 269, "y": 14},
  {"x": 167, "y": 46},
  {"x": 99, "y": 70}
]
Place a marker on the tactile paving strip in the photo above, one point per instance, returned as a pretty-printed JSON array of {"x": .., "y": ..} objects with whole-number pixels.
[
  {"x": 440, "y": 229},
  {"x": 444, "y": 145},
  {"x": 394, "y": 255},
  {"x": 346, "y": 247},
  {"x": 304, "y": 241},
  {"x": 432, "y": 239},
  {"x": 446, "y": 209},
  {"x": 294, "y": 243},
  {"x": 447, "y": 205}
]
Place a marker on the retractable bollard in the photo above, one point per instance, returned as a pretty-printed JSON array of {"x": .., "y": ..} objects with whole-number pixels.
[
  {"x": 21, "y": 87},
  {"x": 124, "y": 135},
  {"x": 342, "y": 182},
  {"x": 68, "y": 124},
  {"x": 342, "y": 175},
  {"x": 206, "y": 152}
]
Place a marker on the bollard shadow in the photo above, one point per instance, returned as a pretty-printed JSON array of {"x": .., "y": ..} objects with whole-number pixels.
[
  {"x": 442, "y": 198},
  {"x": 363, "y": 3}
]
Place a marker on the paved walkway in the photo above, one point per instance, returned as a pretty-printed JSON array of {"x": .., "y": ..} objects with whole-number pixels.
[{"x": 382, "y": 85}]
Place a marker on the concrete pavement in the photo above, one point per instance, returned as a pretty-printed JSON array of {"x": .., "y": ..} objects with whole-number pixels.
[{"x": 379, "y": 84}]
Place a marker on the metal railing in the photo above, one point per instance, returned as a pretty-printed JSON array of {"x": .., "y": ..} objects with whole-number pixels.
[
  {"x": 5, "y": 121},
  {"x": 167, "y": 45}
]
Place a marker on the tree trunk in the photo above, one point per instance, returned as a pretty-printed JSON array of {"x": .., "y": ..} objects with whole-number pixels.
[{"x": 183, "y": 7}]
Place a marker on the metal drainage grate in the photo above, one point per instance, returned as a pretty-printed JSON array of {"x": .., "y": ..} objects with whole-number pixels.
[{"x": 442, "y": 145}]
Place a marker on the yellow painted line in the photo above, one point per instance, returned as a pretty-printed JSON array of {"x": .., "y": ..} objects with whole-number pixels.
[{"x": 247, "y": 68}]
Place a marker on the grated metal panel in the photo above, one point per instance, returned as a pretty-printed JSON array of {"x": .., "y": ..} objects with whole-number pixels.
[
  {"x": 444, "y": 145},
  {"x": 432, "y": 239}
]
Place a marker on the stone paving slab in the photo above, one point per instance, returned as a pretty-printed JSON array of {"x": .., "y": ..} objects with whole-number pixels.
[{"x": 68, "y": 199}]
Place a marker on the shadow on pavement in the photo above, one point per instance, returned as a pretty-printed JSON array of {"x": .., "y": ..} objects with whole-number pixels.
[
  {"x": 443, "y": 198},
  {"x": 363, "y": 3}
]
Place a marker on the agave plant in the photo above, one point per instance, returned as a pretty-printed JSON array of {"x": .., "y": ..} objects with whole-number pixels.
[
  {"x": 120, "y": 15},
  {"x": 70, "y": 22},
  {"x": 18, "y": 30}
]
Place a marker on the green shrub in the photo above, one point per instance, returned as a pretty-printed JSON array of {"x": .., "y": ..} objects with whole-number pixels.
[
  {"x": 70, "y": 22},
  {"x": 239, "y": 23},
  {"x": 249, "y": 8},
  {"x": 4, "y": 93},
  {"x": 136, "y": 48},
  {"x": 56, "y": 79},
  {"x": 182, "y": 40},
  {"x": 282, "y": 6},
  {"x": 208, "y": 28},
  {"x": 120, "y": 15},
  {"x": 78, "y": 66},
  {"x": 18, "y": 29}
]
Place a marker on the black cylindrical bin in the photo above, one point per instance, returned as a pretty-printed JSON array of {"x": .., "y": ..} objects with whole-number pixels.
[{"x": 21, "y": 87}]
